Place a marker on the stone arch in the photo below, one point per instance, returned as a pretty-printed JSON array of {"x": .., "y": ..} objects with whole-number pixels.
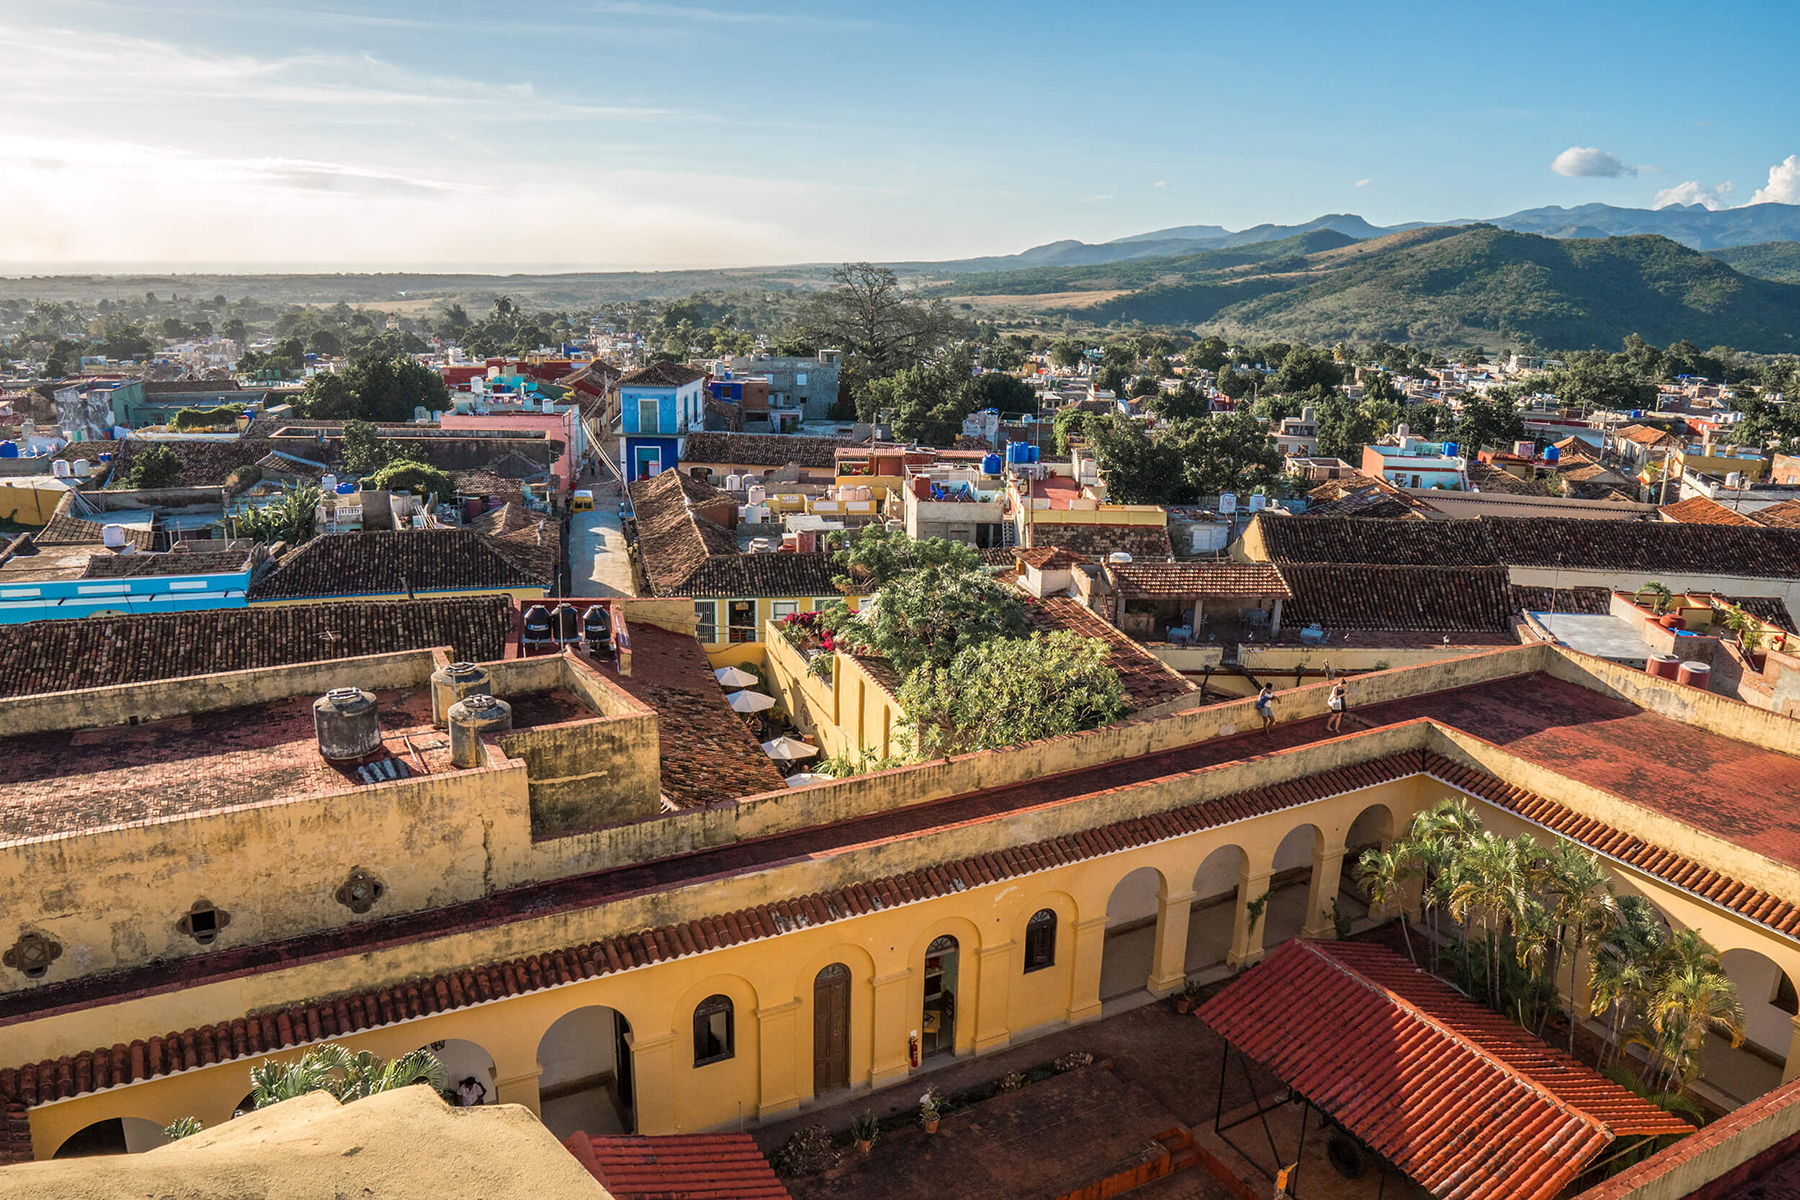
[
  {"x": 1287, "y": 913},
  {"x": 464, "y": 1060},
  {"x": 1129, "y": 955},
  {"x": 1770, "y": 1006},
  {"x": 862, "y": 1013},
  {"x": 112, "y": 1135},
  {"x": 959, "y": 978},
  {"x": 586, "y": 1080},
  {"x": 1217, "y": 883},
  {"x": 1373, "y": 829}
]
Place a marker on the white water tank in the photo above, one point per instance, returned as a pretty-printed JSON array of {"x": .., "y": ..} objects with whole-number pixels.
[
  {"x": 112, "y": 537},
  {"x": 61, "y": 469},
  {"x": 1257, "y": 502},
  {"x": 733, "y": 482},
  {"x": 1118, "y": 556},
  {"x": 83, "y": 468},
  {"x": 1228, "y": 503},
  {"x": 757, "y": 492},
  {"x": 1733, "y": 479},
  {"x": 328, "y": 484}
]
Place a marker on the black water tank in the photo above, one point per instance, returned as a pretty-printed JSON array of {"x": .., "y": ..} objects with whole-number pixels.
[
  {"x": 596, "y": 627},
  {"x": 567, "y": 622},
  {"x": 537, "y": 624}
]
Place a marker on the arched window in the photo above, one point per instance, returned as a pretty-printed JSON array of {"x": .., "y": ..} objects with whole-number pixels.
[
  {"x": 1040, "y": 941},
  {"x": 713, "y": 1031}
]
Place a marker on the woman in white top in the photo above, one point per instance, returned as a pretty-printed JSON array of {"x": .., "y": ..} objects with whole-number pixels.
[{"x": 1338, "y": 705}]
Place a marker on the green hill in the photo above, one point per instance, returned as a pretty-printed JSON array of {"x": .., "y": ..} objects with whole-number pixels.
[
  {"x": 1142, "y": 272},
  {"x": 1779, "y": 261},
  {"x": 1449, "y": 284}
]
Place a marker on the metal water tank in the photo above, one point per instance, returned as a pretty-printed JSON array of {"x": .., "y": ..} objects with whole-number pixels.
[
  {"x": 454, "y": 682},
  {"x": 596, "y": 629},
  {"x": 1663, "y": 666},
  {"x": 537, "y": 627},
  {"x": 470, "y": 719},
  {"x": 347, "y": 724},
  {"x": 567, "y": 623},
  {"x": 1695, "y": 674}
]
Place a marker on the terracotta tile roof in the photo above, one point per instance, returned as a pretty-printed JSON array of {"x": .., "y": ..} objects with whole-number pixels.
[
  {"x": 1250, "y": 581},
  {"x": 1586, "y": 472},
  {"x": 1647, "y": 547},
  {"x": 86, "y": 652},
  {"x": 708, "y": 755},
  {"x": 1429, "y": 599},
  {"x": 179, "y": 562},
  {"x": 1765, "y": 908},
  {"x": 1146, "y": 678},
  {"x": 685, "y": 554},
  {"x": 1700, "y": 510},
  {"x": 1492, "y": 479},
  {"x": 64, "y": 530},
  {"x": 1785, "y": 515},
  {"x": 702, "y": 1166},
  {"x": 1593, "y": 601},
  {"x": 1646, "y": 435},
  {"x": 385, "y": 562},
  {"x": 1772, "y": 609},
  {"x": 762, "y": 449},
  {"x": 1046, "y": 558},
  {"x": 255, "y": 1034},
  {"x": 673, "y": 541},
  {"x": 1363, "y": 540},
  {"x": 1462, "y": 1100},
  {"x": 1361, "y": 496},
  {"x": 1639, "y": 1180},
  {"x": 1145, "y": 543},
  {"x": 203, "y": 464},
  {"x": 662, "y": 374}
]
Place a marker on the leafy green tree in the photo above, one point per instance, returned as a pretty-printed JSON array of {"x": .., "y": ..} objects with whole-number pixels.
[
  {"x": 1066, "y": 353},
  {"x": 288, "y": 519},
  {"x": 999, "y": 390},
  {"x": 1207, "y": 354},
  {"x": 362, "y": 448},
  {"x": 929, "y": 615},
  {"x": 234, "y": 330},
  {"x": 158, "y": 467},
  {"x": 1009, "y": 690},
  {"x": 1181, "y": 402},
  {"x": 411, "y": 475},
  {"x": 1490, "y": 420},
  {"x": 1305, "y": 368},
  {"x": 1237, "y": 384},
  {"x": 928, "y": 403},
  {"x": 1345, "y": 427},
  {"x": 1225, "y": 453},
  {"x": 325, "y": 342},
  {"x": 388, "y": 388},
  {"x": 1139, "y": 468},
  {"x": 1601, "y": 381},
  {"x": 1069, "y": 423},
  {"x": 873, "y": 557},
  {"x": 1112, "y": 378},
  {"x": 327, "y": 397},
  {"x": 880, "y": 329},
  {"x": 63, "y": 358}
]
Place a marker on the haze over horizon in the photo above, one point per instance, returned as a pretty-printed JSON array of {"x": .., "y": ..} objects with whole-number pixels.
[{"x": 623, "y": 134}]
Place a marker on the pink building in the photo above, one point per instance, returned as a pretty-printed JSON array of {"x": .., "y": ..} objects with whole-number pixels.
[{"x": 562, "y": 425}]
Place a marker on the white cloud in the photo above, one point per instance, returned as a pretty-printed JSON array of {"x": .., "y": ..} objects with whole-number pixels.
[
  {"x": 1363, "y": 182},
  {"x": 1694, "y": 192},
  {"x": 1160, "y": 183},
  {"x": 1784, "y": 183},
  {"x": 1580, "y": 161}
]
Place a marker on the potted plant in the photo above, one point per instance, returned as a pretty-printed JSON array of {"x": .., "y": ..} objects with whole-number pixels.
[
  {"x": 1190, "y": 996},
  {"x": 928, "y": 1111},
  {"x": 865, "y": 1129}
]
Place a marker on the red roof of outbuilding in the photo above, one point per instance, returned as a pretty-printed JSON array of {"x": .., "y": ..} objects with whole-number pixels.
[
  {"x": 707, "y": 1166},
  {"x": 1462, "y": 1100}
]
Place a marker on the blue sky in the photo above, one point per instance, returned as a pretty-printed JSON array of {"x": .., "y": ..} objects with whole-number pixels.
[{"x": 636, "y": 133}]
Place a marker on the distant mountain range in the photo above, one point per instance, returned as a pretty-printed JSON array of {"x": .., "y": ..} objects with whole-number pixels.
[
  {"x": 1433, "y": 284},
  {"x": 1692, "y": 225}
]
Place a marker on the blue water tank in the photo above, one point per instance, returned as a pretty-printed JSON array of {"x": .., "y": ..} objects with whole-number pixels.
[
  {"x": 1012, "y": 453},
  {"x": 9, "y": 449},
  {"x": 991, "y": 464},
  {"x": 346, "y": 489},
  {"x": 1033, "y": 451},
  {"x": 1551, "y": 454},
  {"x": 1450, "y": 449},
  {"x": 1636, "y": 413}
]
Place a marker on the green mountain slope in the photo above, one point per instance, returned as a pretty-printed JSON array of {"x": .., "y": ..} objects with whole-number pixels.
[
  {"x": 1779, "y": 261},
  {"x": 1449, "y": 284},
  {"x": 1140, "y": 272}
]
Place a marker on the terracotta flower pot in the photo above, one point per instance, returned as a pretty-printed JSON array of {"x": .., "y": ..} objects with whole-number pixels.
[
  {"x": 1183, "y": 1005},
  {"x": 931, "y": 1125},
  {"x": 862, "y": 1147}
]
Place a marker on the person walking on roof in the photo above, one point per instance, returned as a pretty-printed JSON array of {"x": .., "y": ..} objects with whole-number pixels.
[
  {"x": 1339, "y": 703},
  {"x": 1265, "y": 708}
]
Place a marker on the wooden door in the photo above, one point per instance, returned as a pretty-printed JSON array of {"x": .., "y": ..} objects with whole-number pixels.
[{"x": 831, "y": 1029}]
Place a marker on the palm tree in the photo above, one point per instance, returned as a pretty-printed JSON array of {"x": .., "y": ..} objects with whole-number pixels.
[
  {"x": 1488, "y": 888},
  {"x": 1624, "y": 966},
  {"x": 1691, "y": 1002},
  {"x": 1659, "y": 594},
  {"x": 1384, "y": 873},
  {"x": 1584, "y": 908},
  {"x": 347, "y": 1076}
]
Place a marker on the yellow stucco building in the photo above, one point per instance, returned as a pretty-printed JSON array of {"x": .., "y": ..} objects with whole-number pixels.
[{"x": 192, "y": 888}]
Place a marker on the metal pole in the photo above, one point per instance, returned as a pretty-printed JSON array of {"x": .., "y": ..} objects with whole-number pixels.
[{"x": 1300, "y": 1154}]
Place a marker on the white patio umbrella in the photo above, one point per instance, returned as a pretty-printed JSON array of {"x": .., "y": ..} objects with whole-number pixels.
[
  {"x": 733, "y": 677},
  {"x": 802, "y": 778},
  {"x": 750, "y": 702},
  {"x": 787, "y": 749}
]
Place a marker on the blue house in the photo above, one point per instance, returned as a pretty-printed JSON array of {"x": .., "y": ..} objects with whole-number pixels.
[
  {"x": 41, "y": 578},
  {"x": 658, "y": 404}
]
